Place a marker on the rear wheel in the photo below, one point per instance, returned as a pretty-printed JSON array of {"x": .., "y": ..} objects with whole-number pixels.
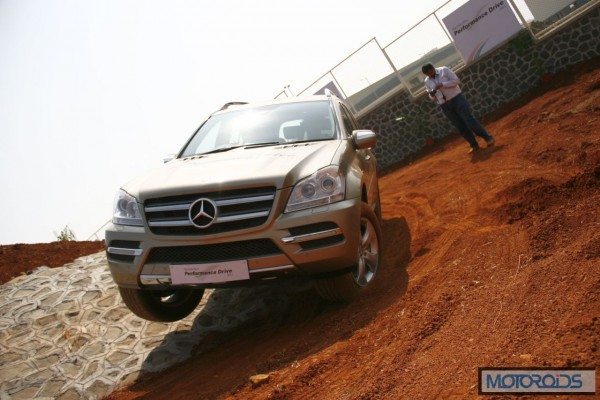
[
  {"x": 162, "y": 305},
  {"x": 347, "y": 287}
]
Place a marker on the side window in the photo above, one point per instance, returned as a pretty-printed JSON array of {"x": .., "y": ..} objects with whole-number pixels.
[{"x": 347, "y": 120}]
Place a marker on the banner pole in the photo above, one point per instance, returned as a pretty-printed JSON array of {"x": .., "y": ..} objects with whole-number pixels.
[
  {"x": 396, "y": 70},
  {"x": 450, "y": 38},
  {"x": 520, "y": 15}
]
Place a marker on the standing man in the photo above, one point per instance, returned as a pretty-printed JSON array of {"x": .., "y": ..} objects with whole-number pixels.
[{"x": 443, "y": 87}]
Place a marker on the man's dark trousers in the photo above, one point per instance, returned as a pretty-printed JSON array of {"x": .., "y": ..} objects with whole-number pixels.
[{"x": 458, "y": 111}]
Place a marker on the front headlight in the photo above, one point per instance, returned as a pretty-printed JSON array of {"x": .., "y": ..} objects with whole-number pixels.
[
  {"x": 126, "y": 210},
  {"x": 325, "y": 186}
]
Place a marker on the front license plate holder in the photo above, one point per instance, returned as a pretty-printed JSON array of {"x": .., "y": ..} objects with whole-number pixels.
[{"x": 194, "y": 274}]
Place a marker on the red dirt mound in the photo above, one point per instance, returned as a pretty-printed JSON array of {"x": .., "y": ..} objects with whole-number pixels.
[
  {"x": 17, "y": 259},
  {"x": 538, "y": 194}
]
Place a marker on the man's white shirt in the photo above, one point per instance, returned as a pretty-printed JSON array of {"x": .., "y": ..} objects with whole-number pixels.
[{"x": 450, "y": 82}]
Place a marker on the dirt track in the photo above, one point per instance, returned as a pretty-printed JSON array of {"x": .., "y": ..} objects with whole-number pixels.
[{"x": 489, "y": 261}]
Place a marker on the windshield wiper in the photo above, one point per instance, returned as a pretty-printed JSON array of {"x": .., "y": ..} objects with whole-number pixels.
[
  {"x": 308, "y": 141},
  {"x": 254, "y": 145},
  {"x": 249, "y": 146},
  {"x": 220, "y": 150}
]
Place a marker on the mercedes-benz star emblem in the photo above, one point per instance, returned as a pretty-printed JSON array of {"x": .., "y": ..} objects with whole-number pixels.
[{"x": 203, "y": 213}]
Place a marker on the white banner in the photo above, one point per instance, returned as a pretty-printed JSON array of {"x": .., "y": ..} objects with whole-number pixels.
[
  {"x": 544, "y": 9},
  {"x": 479, "y": 26}
]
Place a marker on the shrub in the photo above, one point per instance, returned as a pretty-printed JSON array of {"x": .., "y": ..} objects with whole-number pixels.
[{"x": 65, "y": 235}]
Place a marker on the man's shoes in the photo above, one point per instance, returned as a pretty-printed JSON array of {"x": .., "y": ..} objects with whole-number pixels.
[
  {"x": 474, "y": 150},
  {"x": 490, "y": 142}
]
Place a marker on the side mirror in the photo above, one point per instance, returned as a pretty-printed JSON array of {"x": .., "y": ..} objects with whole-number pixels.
[
  {"x": 364, "y": 139},
  {"x": 168, "y": 158}
]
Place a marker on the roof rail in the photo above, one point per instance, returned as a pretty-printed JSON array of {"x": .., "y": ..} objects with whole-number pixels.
[{"x": 232, "y": 103}]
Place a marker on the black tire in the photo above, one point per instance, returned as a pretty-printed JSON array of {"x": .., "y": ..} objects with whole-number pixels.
[
  {"x": 347, "y": 287},
  {"x": 162, "y": 305},
  {"x": 378, "y": 207}
]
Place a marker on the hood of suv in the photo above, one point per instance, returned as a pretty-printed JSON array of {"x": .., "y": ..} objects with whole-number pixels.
[{"x": 279, "y": 166}]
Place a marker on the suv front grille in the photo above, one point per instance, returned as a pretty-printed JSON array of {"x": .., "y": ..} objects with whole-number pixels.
[
  {"x": 237, "y": 209},
  {"x": 125, "y": 244},
  {"x": 213, "y": 252}
]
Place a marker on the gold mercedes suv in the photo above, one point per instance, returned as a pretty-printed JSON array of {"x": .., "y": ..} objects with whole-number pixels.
[{"x": 259, "y": 192}]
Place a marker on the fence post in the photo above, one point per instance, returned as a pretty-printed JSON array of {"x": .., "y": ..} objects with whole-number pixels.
[
  {"x": 389, "y": 60},
  {"x": 520, "y": 15},
  {"x": 98, "y": 230},
  {"x": 449, "y": 37},
  {"x": 342, "y": 90},
  {"x": 279, "y": 94}
]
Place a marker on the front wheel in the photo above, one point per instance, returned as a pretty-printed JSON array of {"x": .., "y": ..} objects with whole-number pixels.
[
  {"x": 347, "y": 287},
  {"x": 162, "y": 305}
]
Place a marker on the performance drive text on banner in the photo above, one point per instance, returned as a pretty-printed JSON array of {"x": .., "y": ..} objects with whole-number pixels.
[{"x": 479, "y": 26}]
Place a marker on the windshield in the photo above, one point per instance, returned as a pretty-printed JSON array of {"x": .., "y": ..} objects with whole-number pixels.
[{"x": 272, "y": 124}]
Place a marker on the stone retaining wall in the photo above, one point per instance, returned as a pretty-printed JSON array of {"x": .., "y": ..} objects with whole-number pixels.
[
  {"x": 404, "y": 124},
  {"x": 66, "y": 334}
]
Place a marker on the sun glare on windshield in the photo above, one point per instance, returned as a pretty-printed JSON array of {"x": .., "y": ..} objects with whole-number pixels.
[{"x": 280, "y": 123}]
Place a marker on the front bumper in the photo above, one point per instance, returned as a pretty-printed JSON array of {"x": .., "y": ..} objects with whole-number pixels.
[{"x": 332, "y": 245}]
